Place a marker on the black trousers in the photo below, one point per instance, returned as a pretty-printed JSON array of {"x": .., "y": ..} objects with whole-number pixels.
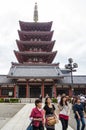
[
  {"x": 38, "y": 128},
  {"x": 64, "y": 123},
  {"x": 50, "y": 129}
]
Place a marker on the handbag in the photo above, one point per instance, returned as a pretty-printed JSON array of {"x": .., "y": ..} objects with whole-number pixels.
[
  {"x": 30, "y": 127},
  {"x": 51, "y": 120}
]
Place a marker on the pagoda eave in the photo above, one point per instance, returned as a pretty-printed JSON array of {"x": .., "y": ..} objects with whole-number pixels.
[
  {"x": 36, "y": 64},
  {"x": 34, "y": 42},
  {"x": 44, "y": 36},
  {"x": 48, "y": 56},
  {"x": 29, "y": 26},
  {"x": 23, "y": 45},
  {"x": 34, "y": 53}
]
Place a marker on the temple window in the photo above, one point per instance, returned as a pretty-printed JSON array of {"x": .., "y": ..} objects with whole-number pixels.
[
  {"x": 35, "y": 49},
  {"x": 30, "y": 49},
  {"x": 30, "y": 60},
  {"x": 40, "y": 49},
  {"x": 40, "y": 59},
  {"x": 31, "y": 39},
  {"x": 35, "y": 39},
  {"x": 35, "y": 59},
  {"x": 6, "y": 91},
  {"x": 39, "y": 39}
]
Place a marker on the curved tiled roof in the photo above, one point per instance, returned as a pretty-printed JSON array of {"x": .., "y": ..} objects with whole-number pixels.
[
  {"x": 38, "y": 26},
  {"x": 47, "y": 45},
  {"x": 35, "y": 72},
  {"x": 76, "y": 79},
  {"x": 44, "y": 36},
  {"x": 5, "y": 80},
  {"x": 35, "y": 42},
  {"x": 48, "y": 56}
]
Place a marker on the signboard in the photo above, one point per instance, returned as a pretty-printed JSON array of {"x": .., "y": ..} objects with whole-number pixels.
[{"x": 10, "y": 93}]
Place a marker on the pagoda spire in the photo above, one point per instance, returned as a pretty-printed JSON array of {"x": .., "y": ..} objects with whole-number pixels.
[{"x": 35, "y": 13}]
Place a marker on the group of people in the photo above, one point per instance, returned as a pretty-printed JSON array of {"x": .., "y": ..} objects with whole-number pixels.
[{"x": 47, "y": 116}]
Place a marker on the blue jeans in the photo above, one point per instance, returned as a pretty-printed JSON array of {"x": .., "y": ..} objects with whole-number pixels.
[{"x": 78, "y": 123}]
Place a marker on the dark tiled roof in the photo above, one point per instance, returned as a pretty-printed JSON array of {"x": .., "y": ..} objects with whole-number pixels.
[
  {"x": 4, "y": 79},
  {"x": 35, "y": 72},
  {"x": 66, "y": 80},
  {"x": 76, "y": 80},
  {"x": 65, "y": 71},
  {"x": 43, "y": 26}
]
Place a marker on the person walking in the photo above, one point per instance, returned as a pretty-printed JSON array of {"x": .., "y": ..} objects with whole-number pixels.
[
  {"x": 46, "y": 96},
  {"x": 40, "y": 97},
  {"x": 79, "y": 114},
  {"x": 49, "y": 109},
  {"x": 64, "y": 111},
  {"x": 37, "y": 116}
]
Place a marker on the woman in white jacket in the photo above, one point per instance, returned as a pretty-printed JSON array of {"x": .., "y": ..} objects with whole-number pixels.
[{"x": 64, "y": 111}]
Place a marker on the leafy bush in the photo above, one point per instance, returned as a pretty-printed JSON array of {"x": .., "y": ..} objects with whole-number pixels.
[
  {"x": 14, "y": 100},
  {"x": 9, "y": 100},
  {"x": 1, "y": 100},
  {"x": 54, "y": 100}
]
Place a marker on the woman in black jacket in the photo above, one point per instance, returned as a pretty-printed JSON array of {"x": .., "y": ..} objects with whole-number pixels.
[
  {"x": 79, "y": 114},
  {"x": 49, "y": 109}
]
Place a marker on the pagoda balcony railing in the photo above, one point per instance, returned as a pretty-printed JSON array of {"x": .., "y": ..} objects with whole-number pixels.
[
  {"x": 35, "y": 51},
  {"x": 36, "y": 62}
]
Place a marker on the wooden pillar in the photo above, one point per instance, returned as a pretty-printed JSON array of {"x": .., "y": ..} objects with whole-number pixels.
[
  {"x": 27, "y": 89},
  {"x": 15, "y": 91},
  {"x": 42, "y": 89},
  {"x": 54, "y": 91},
  {"x": 55, "y": 94}
]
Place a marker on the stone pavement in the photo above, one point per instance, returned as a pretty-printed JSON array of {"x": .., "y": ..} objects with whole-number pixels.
[
  {"x": 7, "y": 111},
  {"x": 21, "y": 120}
]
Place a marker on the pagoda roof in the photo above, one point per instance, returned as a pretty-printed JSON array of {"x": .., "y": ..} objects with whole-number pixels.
[
  {"x": 41, "y": 64},
  {"x": 47, "y": 45},
  {"x": 35, "y": 26},
  {"x": 32, "y": 35},
  {"x": 35, "y": 72},
  {"x": 23, "y": 56}
]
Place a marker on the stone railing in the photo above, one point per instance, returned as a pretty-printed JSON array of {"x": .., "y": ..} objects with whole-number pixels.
[{"x": 29, "y": 100}]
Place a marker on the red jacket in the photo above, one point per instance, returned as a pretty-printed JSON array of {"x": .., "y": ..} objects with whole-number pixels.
[{"x": 37, "y": 114}]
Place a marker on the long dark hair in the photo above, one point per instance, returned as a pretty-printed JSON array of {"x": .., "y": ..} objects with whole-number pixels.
[
  {"x": 46, "y": 101},
  {"x": 61, "y": 102}
]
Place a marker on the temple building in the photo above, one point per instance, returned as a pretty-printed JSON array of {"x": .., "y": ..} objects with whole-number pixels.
[{"x": 35, "y": 73}]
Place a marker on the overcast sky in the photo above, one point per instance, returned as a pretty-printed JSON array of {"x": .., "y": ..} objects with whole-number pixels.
[{"x": 69, "y": 25}]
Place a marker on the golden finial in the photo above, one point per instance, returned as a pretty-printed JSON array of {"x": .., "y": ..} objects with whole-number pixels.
[{"x": 35, "y": 13}]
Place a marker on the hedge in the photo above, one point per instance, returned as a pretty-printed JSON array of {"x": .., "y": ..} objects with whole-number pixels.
[
  {"x": 14, "y": 100},
  {"x": 9, "y": 100},
  {"x": 1, "y": 100}
]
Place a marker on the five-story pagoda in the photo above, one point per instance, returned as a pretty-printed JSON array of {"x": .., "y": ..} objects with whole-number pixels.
[
  {"x": 35, "y": 44},
  {"x": 35, "y": 74}
]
